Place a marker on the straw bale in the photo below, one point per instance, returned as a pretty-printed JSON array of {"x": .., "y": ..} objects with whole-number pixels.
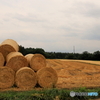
[
  {"x": 16, "y": 60},
  {"x": 29, "y": 57},
  {"x": 6, "y": 77},
  {"x": 8, "y": 46},
  {"x": 25, "y": 78},
  {"x": 47, "y": 77},
  {"x": 2, "y": 60},
  {"x": 36, "y": 61}
]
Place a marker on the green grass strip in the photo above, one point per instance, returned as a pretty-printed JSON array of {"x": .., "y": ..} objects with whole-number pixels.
[{"x": 47, "y": 94}]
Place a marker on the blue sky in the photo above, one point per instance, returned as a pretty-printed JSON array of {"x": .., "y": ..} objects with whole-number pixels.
[{"x": 54, "y": 25}]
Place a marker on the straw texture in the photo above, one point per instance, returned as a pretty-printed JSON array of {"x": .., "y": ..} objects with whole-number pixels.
[
  {"x": 25, "y": 78},
  {"x": 36, "y": 61},
  {"x": 47, "y": 77},
  {"x": 6, "y": 77},
  {"x": 2, "y": 60},
  {"x": 8, "y": 46},
  {"x": 16, "y": 60}
]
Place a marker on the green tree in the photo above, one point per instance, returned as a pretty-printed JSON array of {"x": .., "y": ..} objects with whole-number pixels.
[
  {"x": 96, "y": 55},
  {"x": 40, "y": 50},
  {"x": 22, "y": 50},
  {"x": 86, "y": 56},
  {"x": 70, "y": 56},
  {"x": 30, "y": 50}
]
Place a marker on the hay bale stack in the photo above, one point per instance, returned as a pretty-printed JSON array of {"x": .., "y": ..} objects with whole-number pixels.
[
  {"x": 36, "y": 61},
  {"x": 6, "y": 77},
  {"x": 47, "y": 77},
  {"x": 29, "y": 57},
  {"x": 8, "y": 46},
  {"x": 25, "y": 78},
  {"x": 16, "y": 60},
  {"x": 2, "y": 60}
]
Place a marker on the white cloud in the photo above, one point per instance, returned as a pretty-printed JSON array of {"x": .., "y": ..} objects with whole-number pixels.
[{"x": 54, "y": 25}]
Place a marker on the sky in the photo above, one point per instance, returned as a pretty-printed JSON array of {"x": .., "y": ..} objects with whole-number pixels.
[{"x": 53, "y": 25}]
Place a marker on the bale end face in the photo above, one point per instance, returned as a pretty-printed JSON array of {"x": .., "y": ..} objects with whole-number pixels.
[
  {"x": 25, "y": 78},
  {"x": 17, "y": 62},
  {"x": 6, "y": 77},
  {"x": 37, "y": 62},
  {"x": 47, "y": 77},
  {"x": 6, "y": 49}
]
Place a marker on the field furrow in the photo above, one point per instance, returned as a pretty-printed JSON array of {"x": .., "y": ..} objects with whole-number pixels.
[{"x": 73, "y": 74}]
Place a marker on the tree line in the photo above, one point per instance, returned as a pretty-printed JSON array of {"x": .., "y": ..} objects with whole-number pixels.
[{"x": 59, "y": 55}]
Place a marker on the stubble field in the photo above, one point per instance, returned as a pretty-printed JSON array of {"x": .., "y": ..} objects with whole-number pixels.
[
  {"x": 76, "y": 73},
  {"x": 72, "y": 74}
]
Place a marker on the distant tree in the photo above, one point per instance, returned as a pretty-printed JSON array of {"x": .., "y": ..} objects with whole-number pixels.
[
  {"x": 40, "y": 50},
  {"x": 77, "y": 56},
  {"x": 30, "y": 50},
  {"x": 86, "y": 55},
  {"x": 70, "y": 56},
  {"x": 59, "y": 55},
  {"x": 96, "y": 55},
  {"x": 47, "y": 55},
  {"x": 52, "y": 55},
  {"x": 22, "y": 50}
]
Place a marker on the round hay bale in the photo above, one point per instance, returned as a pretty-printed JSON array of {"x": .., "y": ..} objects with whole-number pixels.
[
  {"x": 25, "y": 78},
  {"x": 8, "y": 46},
  {"x": 6, "y": 77},
  {"x": 47, "y": 77},
  {"x": 29, "y": 57},
  {"x": 36, "y": 61},
  {"x": 16, "y": 60},
  {"x": 2, "y": 60}
]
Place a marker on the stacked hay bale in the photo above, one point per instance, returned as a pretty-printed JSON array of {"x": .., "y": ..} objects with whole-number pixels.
[
  {"x": 6, "y": 77},
  {"x": 8, "y": 46},
  {"x": 23, "y": 71},
  {"x": 16, "y": 60},
  {"x": 36, "y": 61},
  {"x": 2, "y": 60},
  {"x": 46, "y": 75},
  {"x": 25, "y": 78}
]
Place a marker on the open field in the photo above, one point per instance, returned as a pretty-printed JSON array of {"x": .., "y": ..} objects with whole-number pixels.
[
  {"x": 85, "y": 61},
  {"x": 76, "y": 73},
  {"x": 73, "y": 74}
]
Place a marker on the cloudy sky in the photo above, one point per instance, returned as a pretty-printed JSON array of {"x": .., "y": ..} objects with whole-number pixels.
[{"x": 54, "y": 25}]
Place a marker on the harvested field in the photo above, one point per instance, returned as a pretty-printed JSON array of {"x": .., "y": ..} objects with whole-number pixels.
[
  {"x": 73, "y": 74},
  {"x": 85, "y": 61}
]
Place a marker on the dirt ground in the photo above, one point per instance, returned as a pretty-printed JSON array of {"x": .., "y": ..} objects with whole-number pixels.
[{"x": 75, "y": 74}]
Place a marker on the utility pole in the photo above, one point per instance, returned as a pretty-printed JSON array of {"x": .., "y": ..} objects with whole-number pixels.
[{"x": 73, "y": 49}]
